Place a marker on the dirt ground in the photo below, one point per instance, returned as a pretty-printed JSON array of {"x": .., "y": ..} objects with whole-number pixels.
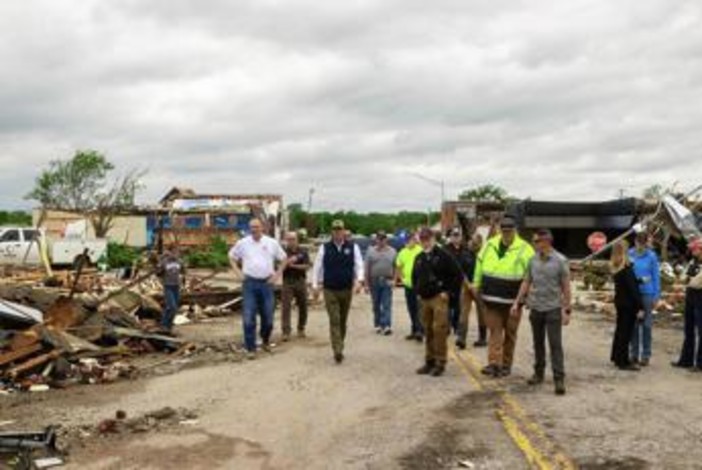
[{"x": 296, "y": 409}]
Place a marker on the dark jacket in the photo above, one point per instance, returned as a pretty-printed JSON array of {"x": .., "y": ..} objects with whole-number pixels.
[
  {"x": 465, "y": 258},
  {"x": 626, "y": 290},
  {"x": 434, "y": 273}
]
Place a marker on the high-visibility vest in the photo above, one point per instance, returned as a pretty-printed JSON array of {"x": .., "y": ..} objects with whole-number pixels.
[{"x": 499, "y": 278}]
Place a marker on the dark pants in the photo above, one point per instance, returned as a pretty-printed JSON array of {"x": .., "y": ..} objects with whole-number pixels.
[
  {"x": 624, "y": 331},
  {"x": 381, "y": 295},
  {"x": 171, "y": 299},
  {"x": 413, "y": 309},
  {"x": 338, "y": 303},
  {"x": 297, "y": 291},
  {"x": 548, "y": 324},
  {"x": 258, "y": 299},
  {"x": 455, "y": 310},
  {"x": 693, "y": 330}
]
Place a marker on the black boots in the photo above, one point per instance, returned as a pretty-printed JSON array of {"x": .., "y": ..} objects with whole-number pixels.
[
  {"x": 427, "y": 368},
  {"x": 432, "y": 368}
]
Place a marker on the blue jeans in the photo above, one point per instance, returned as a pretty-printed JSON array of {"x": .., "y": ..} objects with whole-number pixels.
[
  {"x": 171, "y": 300},
  {"x": 381, "y": 294},
  {"x": 258, "y": 299},
  {"x": 413, "y": 310},
  {"x": 641, "y": 340}
]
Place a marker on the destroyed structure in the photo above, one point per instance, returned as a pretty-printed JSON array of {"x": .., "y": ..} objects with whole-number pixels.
[{"x": 182, "y": 216}]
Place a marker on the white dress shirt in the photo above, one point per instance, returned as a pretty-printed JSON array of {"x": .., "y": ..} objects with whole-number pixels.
[
  {"x": 257, "y": 257},
  {"x": 318, "y": 269}
]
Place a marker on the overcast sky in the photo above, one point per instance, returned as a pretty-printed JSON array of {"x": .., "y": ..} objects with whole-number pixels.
[{"x": 551, "y": 99}]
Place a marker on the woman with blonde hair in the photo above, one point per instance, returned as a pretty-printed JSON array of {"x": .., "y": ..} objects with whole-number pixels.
[{"x": 629, "y": 305}]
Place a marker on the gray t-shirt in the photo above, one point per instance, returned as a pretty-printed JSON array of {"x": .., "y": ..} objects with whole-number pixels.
[
  {"x": 381, "y": 263},
  {"x": 547, "y": 276},
  {"x": 170, "y": 269}
]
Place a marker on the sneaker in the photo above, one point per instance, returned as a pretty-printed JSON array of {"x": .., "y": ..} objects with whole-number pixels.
[
  {"x": 251, "y": 355},
  {"x": 419, "y": 338},
  {"x": 427, "y": 368},
  {"x": 560, "y": 387},
  {"x": 679, "y": 365},
  {"x": 696, "y": 369},
  {"x": 339, "y": 358},
  {"x": 301, "y": 334},
  {"x": 481, "y": 343},
  {"x": 629, "y": 368},
  {"x": 286, "y": 337},
  {"x": 438, "y": 371},
  {"x": 505, "y": 371},
  {"x": 460, "y": 344},
  {"x": 489, "y": 370},
  {"x": 378, "y": 331},
  {"x": 536, "y": 379},
  {"x": 268, "y": 347},
  {"x": 411, "y": 337},
  {"x": 645, "y": 362},
  {"x": 387, "y": 331}
]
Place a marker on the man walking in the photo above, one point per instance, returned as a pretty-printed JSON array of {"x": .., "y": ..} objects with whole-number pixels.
[
  {"x": 405, "y": 265},
  {"x": 502, "y": 265},
  {"x": 294, "y": 286},
  {"x": 253, "y": 260},
  {"x": 691, "y": 354},
  {"x": 434, "y": 277},
  {"x": 337, "y": 268},
  {"x": 547, "y": 288},
  {"x": 172, "y": 272},
  {"x": 458, "y": 249},
  {"x": 380, "y": 275},
  {"x": 647, "y": 270}
]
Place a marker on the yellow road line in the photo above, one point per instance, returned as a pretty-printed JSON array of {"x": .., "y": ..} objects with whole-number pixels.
[{"x": 540, "y": 451}]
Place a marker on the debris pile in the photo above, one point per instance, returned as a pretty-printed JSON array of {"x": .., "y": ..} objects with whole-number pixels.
[{"x": 55, "y": 337}]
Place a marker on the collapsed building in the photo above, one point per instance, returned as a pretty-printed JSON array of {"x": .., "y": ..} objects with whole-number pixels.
[{"x": 181, "y": 216}]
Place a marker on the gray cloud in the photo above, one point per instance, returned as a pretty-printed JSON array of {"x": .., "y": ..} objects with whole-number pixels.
[{"x": 555, "y": 100}]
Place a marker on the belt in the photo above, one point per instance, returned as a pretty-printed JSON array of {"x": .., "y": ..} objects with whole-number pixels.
[{"x": 256, "y": 279}]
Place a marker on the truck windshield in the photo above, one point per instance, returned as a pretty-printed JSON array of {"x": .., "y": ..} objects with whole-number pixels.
[
  {"x": 10, "y": 236},
  {"x": 30, "y": 235}
]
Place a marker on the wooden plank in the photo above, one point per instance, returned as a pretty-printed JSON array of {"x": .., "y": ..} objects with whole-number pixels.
[
  {"x": 32, "y": 363},
  {"x": 12, "y": 356}
]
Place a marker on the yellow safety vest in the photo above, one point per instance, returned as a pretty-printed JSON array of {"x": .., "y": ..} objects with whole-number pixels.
[{"x": 499, "y": 278}]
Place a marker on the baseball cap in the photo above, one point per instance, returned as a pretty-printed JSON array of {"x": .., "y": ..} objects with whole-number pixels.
[
  {"x": 508, "y": 222},
  {"x": 425, "y": 233},
  {"x": 338, "y": 225},
  {"x": 544, "y": 234}
]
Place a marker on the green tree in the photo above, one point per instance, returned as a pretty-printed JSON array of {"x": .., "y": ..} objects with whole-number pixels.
[
  {"x": 19, "y": 218},
  {"x": 485, "y": 192},
  {"x": 83, "y": 184}
]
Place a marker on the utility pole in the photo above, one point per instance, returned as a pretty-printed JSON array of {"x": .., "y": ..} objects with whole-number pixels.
[{"x": 436, "y": 182}]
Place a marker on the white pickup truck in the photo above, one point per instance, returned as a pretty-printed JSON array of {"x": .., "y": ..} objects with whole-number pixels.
[{"x": 18, "y": 246}]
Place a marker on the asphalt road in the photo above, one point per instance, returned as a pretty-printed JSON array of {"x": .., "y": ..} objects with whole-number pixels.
[{"x": 296, "y": 409}]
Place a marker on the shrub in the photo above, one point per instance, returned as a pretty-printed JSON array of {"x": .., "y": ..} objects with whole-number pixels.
[
  {"x": 120, "y": 255},
  {"x": 214, "y": 256}
]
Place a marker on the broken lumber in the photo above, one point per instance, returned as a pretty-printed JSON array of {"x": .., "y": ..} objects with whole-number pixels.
[
  {"x": 13, "y": 356},
  {"x": 32, "y": 363}
]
